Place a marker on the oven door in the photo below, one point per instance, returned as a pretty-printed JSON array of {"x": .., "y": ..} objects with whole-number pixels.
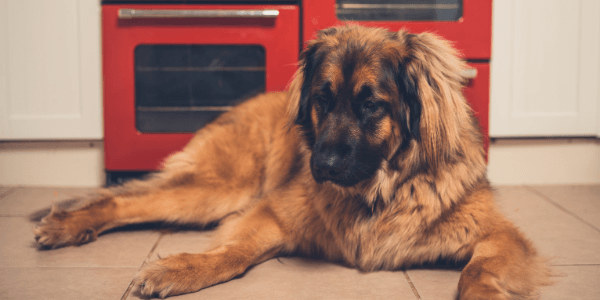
[
  {"x": 468, "y": 23},
  {"x": 170, "y": 69}
]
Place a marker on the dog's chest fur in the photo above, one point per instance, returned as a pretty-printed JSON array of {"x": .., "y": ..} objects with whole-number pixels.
[
  {"x": 386, "y": 236},
  {"x": 367, "y": 237}
]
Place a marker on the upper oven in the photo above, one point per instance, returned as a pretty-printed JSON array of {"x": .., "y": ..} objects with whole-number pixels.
[
  {"x": 170, "y": 69},
  {"x": 466, "y": 23}
]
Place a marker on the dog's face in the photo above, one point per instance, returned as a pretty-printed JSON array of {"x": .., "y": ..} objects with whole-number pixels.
[{"x": 357, "y": 104}]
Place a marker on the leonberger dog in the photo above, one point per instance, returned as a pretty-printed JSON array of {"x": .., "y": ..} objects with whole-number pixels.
[{"x": 371, "y": 159}]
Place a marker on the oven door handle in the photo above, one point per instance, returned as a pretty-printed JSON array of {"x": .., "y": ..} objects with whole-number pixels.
[
  {"x": 469, "y": 73},
  {"x": 127, "y": 13}
]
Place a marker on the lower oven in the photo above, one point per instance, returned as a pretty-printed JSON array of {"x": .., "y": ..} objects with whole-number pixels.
[{"x": 170, "y": 69}]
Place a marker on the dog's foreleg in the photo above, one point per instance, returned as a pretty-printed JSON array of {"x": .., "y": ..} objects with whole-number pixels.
[
  {"x": 253, "y": 238},
  {"x": 504, "y": 266}
]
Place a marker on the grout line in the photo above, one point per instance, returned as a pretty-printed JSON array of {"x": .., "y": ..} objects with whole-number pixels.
[
  {"x": 412, "y": 286},
  {"x": 576, "y": 265},
  {"x": 132, "y": 283},
  {"x": 66, "y": 267},
  {"x": 561, "y": 207},
  {"x": 9, "y": 191}
]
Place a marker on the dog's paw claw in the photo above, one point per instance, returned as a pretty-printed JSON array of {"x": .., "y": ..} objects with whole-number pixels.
[
  {"x": 152, "y": 280},
  {"x": 169, "y": 276},
  {"x": 58, "y": 230}
]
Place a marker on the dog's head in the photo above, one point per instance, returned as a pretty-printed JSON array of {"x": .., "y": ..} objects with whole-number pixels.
[{"x": 363, "y": 96}]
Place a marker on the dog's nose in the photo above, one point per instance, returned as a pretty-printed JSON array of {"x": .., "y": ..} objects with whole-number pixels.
[{"x": 328, "y": 166}]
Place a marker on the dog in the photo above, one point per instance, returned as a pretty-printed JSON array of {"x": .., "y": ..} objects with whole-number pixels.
[{"x": 372, "y": 158}]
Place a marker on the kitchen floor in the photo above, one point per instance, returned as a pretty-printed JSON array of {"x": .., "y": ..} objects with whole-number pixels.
[{"x": 563, "y": 221}]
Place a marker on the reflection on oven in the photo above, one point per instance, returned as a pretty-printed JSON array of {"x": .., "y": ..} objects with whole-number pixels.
[
  {"x": 399, "y": 10},
  {"x": 179, "y": 88}
]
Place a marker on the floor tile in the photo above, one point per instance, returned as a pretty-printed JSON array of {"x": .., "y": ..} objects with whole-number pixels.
[
  {"x": 190, "y": 241},
  {"x": 103, "y": 269},
  {"x": 581, "y": 200},
  {"x": 578, "y": 282},
  {"x": 435, "y": 284},
  {"x": 296, "y": 278},
  {"x": 120, "y": 249},
  {"x": 557, "y": 234},
  {"x": 64, "y": 283},
  {"x": 24, "y": 201}
]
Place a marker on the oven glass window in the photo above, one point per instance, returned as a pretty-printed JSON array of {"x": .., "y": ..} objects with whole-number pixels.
[
  {"x": 399, "y": 10},
  {"x": 179, "y": 88}
]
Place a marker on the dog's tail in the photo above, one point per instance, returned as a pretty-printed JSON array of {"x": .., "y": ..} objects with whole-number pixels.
[{"x": 37, "y": 216}]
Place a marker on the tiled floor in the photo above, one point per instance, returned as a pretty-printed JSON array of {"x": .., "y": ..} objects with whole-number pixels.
[{"x": 563, "y": 221}]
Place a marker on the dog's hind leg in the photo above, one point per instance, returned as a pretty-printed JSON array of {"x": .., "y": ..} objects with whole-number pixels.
[
  {"x": 175, "y": 195},
  {"x": 227, "y": 166}
]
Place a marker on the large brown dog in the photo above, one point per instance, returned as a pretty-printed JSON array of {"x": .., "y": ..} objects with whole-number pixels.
[{"x": 372, "y": 159}]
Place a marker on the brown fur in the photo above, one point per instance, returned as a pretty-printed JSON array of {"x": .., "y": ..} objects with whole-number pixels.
[{"x": 261, "y": 171}]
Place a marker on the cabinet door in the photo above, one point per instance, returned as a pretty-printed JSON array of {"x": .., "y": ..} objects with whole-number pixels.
[
  {"x": 50, "y": 70},
  {"x": 545, "y": 68}
]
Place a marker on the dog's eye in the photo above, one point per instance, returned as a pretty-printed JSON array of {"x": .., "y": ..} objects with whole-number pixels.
[
  {"x": 369, "y": 106},
  {"x": 322, "y": 100}
]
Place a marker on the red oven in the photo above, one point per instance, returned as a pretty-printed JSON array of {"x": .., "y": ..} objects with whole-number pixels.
[
  {"x": 169, "y": 69},
  {"x": 467, "y": 23}
]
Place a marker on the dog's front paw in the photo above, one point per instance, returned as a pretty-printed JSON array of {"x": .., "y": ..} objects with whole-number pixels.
[
  {"x": 174, "y": 275},
  {"x": 60, "y": 228}
]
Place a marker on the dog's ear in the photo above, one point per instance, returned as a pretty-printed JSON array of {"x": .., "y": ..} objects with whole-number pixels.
[
  {"x": 430, "y": 78},
  {"x": 308, "y": 66},
  {"x": 408, "y": 89},
  {"x": 299, "y": 89}
]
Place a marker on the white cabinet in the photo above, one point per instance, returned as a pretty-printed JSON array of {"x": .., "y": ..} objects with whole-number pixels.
[
  {"x": 545, "y": 69},
  {"x": 50, "y": 69}
]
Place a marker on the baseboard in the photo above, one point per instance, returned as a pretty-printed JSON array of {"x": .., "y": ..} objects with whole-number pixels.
[
  {"x": 52, "y": 163},
  {"x": 511, "y": 162},
  {"x": 544, "y": 161}
]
